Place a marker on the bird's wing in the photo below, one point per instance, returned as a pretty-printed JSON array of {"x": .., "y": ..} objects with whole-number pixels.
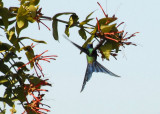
[{"x": 79, "y": 47}]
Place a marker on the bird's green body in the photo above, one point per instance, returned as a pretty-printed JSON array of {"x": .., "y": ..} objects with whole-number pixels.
[{"x": 90, "y": 57}]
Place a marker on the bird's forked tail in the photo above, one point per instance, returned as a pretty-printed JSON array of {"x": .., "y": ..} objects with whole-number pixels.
[{"x": 95, "y": 67}]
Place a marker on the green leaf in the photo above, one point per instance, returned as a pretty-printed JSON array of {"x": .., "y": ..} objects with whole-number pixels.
[
  {"x": 5, "y": 15},
  {"x": 30, "y": 55},
  {"x": 9, "y": 55},
  {"x": 3, "y": 67},
  {"x": 22, "y": 11},
  {"x": 21, "y": 22},
  {"x": 22, "y": 2},
  {"x": 21, "y": 19},
  {"x": 109, "y": 20},
  {"x": 82, "y": 33},
  {"x": 32, "y": 9},
  {"x": 1, "y": 4},
  {"x": 108, "y": 47},
  {"x": 7, "y": 100},
  {"x": 34, "y": 80},
  {"x": 5, "y": 82},
  {"x": 5, "y": 46},
  {"x": 73, "y": 20},
  {"x": 19, "y": 92},
  {"x": 20, "y": 29},
  {"x": 38, "y": 41},
  {"x": 67, "y": 31},
  {"x": 20, "y": 64},
  {"x": 10, "y": 33},
  {"x": 12, "y": 38},
  {"x": 55, "y": 29},
  {"x": 89, "y": 15},
  {"x": 55, "y": 23},
  {"x": 34, "y": 2},
  {"x": 85, "y": 21},
  {"x": 60, "y": 14},
  {"x": 106, "y": 50},
  {"x": 13, "y": 9},
  {"x": 3, "y": 79},
  {"x": 10, "y": 22},
  {"x": 2, "y": 51},
  {"x": 107, "y": 28},
  {"x": 30, "y": 19}
]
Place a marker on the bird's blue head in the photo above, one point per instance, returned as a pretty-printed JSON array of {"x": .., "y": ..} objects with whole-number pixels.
[{"x": 90, "y": 45}]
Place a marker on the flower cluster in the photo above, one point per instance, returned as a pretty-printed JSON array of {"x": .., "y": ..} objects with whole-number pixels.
[
  {"x": 34, "y": 105},
  {"x": 36, "y": 60},
  {"x": 110, "y": 37}
]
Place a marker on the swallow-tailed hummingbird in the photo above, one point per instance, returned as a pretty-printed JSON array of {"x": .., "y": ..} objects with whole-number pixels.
[{"x": 92, "y": 64}]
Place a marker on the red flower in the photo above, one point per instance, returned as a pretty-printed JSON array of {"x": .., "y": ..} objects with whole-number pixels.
[
  {"x": 37, "y": 58},
  {"x": 38, "y": 19},
  {"x": 34, "y": 105}
]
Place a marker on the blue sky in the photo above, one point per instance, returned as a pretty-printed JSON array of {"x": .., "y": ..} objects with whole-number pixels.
[{"x": 136, "y": 92}]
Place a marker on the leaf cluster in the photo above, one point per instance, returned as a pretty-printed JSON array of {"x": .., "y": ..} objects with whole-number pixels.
[{"x": 12, "y": 21}]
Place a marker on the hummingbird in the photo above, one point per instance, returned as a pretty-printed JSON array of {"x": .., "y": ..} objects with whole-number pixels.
[{"x": 92, "y": 64}]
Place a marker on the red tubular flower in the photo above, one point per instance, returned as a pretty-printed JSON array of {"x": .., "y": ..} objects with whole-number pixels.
[
  {"x": 102, "y": 10},
  {"x": 34, "y": 105},
  {"x": 99, "y": 30},
  {"x": 107, "y": 35},
  {"x": 116, "y": 36},
  {"x": 36, "y": 59},
  {"x": 123, "y": 39},
  {"x": 38, "y": 20}
]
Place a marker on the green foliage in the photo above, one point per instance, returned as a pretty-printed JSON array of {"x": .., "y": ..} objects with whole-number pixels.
[
  {"x": 30, "y": 55},
  {"x": 3, "y": 80},
  {"x": 34, "y": 40},
  {"x": 5, "y": 47},
  {"x": 26, "y": 13},
  {"x": 3, "y": 67},
  {"x": 55, "y": 24},
  {"x": 5, "y": 14},
  {"x": 14, "y": 70},
  {"x": 1, "y": 4},
  {"x": 12, "y": 38},
  {"x": 82, "y": 33},
  {"x": 7, "y": 100},
  {"x": 19, "y": 93},
  {"x": 106, "y": 50}
]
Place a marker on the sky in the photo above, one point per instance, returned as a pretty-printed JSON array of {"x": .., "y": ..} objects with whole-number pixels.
[{"x": 136, "y": 92}]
